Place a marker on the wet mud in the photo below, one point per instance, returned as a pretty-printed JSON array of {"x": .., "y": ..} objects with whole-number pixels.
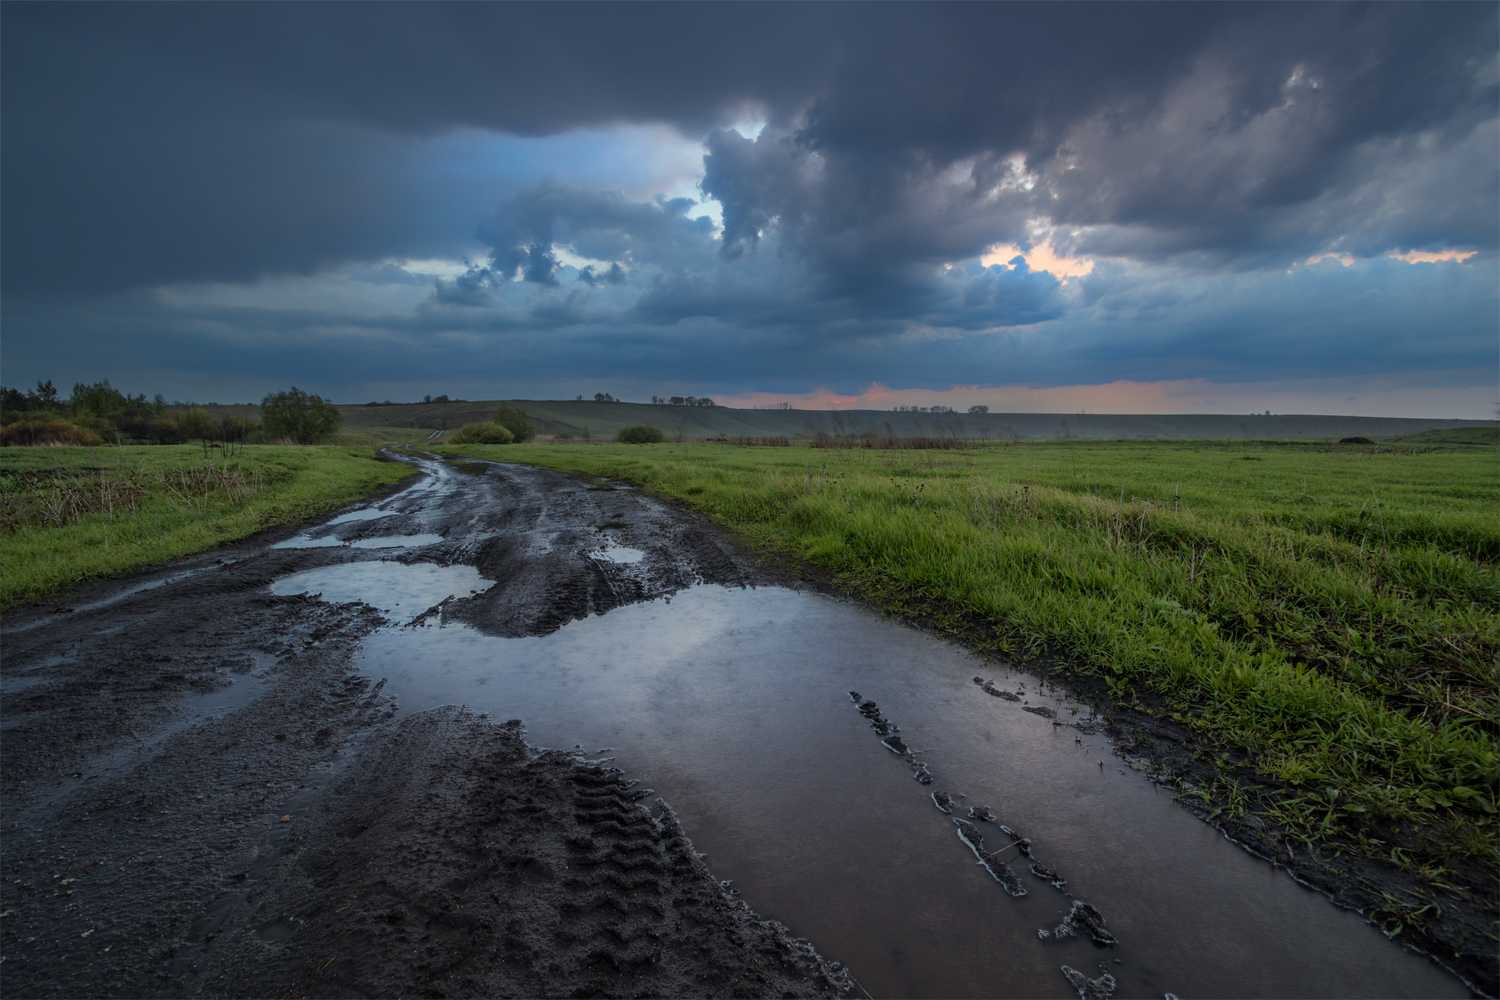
[{"x": 201, "y": 798}]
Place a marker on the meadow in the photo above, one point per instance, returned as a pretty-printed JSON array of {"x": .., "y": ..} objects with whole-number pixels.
[
  {"x": 1328, "y": 615},
  {"x": 68, "y": 514}
]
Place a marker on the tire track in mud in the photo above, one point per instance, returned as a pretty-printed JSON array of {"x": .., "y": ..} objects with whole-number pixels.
[
  {"x": 1081, "y": 916},
  {"x": 512, "y": 872},
  {"x": 298, "y": 840}
]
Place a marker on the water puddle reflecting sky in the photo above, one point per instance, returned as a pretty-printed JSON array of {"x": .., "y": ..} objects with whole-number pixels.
[
  {"x": 386, "y": 585},
  {"x": 620, "y": 554},
  {"x": 382, "y": 542},
  {"x": 734, "y": 705},
  {"x": 363, "y": 514}
]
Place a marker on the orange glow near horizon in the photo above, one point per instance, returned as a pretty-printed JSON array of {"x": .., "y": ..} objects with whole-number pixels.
[{"x": 1374, "y": 398}]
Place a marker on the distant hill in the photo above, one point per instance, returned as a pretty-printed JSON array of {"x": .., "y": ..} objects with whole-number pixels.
[
  {"x": 601, "y": 420},
  {"x": 1487, "y": 435}
]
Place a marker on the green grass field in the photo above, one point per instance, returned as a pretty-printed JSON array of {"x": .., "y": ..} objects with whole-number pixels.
[
  {"x": 1330, "y": 611},
  {"x": 70, "y": 514}
]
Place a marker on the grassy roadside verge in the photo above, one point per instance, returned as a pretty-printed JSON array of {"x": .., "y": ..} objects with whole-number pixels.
[
  {"x": 1329, "y": 614},
  {"x": 70, "y": 514}
]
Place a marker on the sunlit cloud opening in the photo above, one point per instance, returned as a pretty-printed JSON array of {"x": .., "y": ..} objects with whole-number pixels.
[
  {"x": 433, "y": 268},
  {"x": 1343, "y": 258},
  {"x": 1041, "y": 257},
  {"x": 1429, "y": 257}
]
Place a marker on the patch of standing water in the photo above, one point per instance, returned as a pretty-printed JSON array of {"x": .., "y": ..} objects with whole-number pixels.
[
  {"x": 620, "y": 554},
  {"x": 734, "y": 705},
  {"x": 382, "y": 542},
  {"x": 397, "y": 541},
  {"x": 365, "y": 514},
  {"x": 241, "y": 691},
  {"x": 388, "y": 586},
  {"x": 306, "y": 542}
]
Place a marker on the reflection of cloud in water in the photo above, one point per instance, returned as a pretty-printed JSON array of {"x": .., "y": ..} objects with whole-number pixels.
[
  {"x": 382, "y": 542},
  {"x": 620, "y": 554},
  {"x": 385, "y": 585},
  {"x": 366, "y": 514},
  {"x": 396, "y": 541},
  {"x": 304, "y": 542}
]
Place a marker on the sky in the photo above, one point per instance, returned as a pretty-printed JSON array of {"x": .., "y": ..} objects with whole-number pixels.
[{"x": 1148, "y": 208}]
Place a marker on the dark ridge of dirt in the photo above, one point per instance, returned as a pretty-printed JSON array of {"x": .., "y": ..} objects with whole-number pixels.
[
  {"x": 543, "y": 554},
  {"x": 513, "y": 873}
]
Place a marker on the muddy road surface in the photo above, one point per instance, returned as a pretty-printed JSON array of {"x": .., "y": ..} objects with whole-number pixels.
[
  {"x": 202, "y": 798},
  {"x": 300, "y": 767}
]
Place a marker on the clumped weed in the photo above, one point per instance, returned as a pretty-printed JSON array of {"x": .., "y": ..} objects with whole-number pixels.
[
  {"x": 63, "y": 496},
  {"x": 775, "y": 441}
]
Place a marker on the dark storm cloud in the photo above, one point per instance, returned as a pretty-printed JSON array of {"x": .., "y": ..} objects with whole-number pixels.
[
  {"x": 597, "y": 225},
  {"x": 668, "y": 267},
  {"x": 614, "y": 276},
  {"x": 1281, "y": 132},
  {"x": 1197, "y": 152},
  {"x": 150, "y": 143}
]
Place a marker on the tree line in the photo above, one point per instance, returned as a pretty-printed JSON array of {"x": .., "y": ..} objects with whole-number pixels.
[{"x": 98, "y": 413}]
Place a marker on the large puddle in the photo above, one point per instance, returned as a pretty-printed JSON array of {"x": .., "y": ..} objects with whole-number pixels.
[{"x": 735, "y": 706}]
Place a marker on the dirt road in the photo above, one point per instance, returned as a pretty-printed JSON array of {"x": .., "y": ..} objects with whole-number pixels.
[{"x": 201, "y": 798}]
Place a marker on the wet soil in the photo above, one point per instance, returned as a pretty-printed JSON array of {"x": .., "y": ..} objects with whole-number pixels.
[{"x": 201, "y": 798}]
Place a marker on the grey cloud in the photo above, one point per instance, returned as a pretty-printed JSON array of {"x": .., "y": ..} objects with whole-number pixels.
[
  {"x": 615, "y": 275},
  {"x": 597, "y": 225},
  {"x": 469, "y": 289}
]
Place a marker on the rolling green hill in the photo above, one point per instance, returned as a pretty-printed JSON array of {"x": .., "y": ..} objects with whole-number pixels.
[
  {"x": 403, "y": 422},
  {"x": 602, "y": 420}
]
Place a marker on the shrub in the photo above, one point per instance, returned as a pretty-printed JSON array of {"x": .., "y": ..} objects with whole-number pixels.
[
  {"x": 234, "y": 428},
  {"x": 640, "y": 434},
  {"x": 515, "y": 420},
  {"x": 196, "y": 424},
  {"x": 34, "y": 432},
  {"x": 485, "y": 432},
  {"x": 303, "y": 418},
  {"x": 96, "y": 425}
]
